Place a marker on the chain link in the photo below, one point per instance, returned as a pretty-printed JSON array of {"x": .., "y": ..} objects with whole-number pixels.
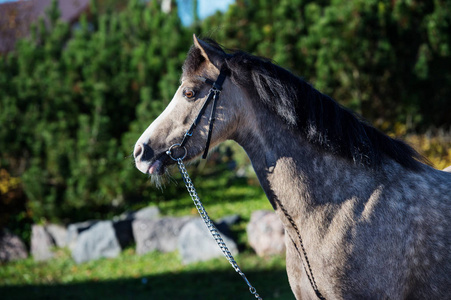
[{"x": 211, "y": 227}]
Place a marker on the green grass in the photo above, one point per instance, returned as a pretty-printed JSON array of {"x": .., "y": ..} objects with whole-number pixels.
[
  {"x": 151, "y": 276},
  {"x": 161, "y": 275}
]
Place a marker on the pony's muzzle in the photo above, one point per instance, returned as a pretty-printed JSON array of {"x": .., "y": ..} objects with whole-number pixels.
[{"x": 143, "y": 152}]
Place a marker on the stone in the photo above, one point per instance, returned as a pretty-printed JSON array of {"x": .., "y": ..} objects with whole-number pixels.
[
  {"x": 124, "y": 232},
  {"x": 230, "y": 220},
  {"x": 58, "y": 234},
  {"x": 266, "y": 234},
  {"x": 224, "y": 224},
  {"x": 41, "y": 243},
  {"x": 73, "y": 231},
  {"x": 195, "y": 243},
  {"x": 96, "y": 242},
  {"x": 161, "y": 234},
  {"x": 11, "y": 247},
  {"x": 146, "y": 213}
]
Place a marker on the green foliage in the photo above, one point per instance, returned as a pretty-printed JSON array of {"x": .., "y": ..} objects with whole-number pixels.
[
  {"x": 75, "y": 101},
  {"x": 13, "y": 212},
  {"x": 436, "y": 146},
  {"x": 388, "y": 60}
]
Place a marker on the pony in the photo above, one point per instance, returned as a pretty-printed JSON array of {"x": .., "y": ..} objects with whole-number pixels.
[{"x": 365, "y": 216}]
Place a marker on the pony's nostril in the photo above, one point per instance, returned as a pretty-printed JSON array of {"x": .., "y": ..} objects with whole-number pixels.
[
  {"x": 138, "y": 151},
  {"x": 143, "y": 152}
]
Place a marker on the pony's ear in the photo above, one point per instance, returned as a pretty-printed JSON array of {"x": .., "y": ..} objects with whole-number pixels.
[{"x": 210, "y": 53}]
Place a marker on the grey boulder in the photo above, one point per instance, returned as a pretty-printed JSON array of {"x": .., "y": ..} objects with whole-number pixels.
[
  {"x": 146, "y": 213},
  {"x": 11, "y": 247},
  {"x": 266, "y": 234},
  {"x": 195, "y": 243},
  {"x": 97, "y": 242},
  {"x": 75, "y": 229},
  {"x": 161, "y": 234},
  {"x": 58, "y": 234},
  {"x": 41, "y": 243}
]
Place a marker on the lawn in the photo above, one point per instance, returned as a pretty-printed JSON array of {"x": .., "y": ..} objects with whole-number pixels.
[{"x": 151, "y": 276}]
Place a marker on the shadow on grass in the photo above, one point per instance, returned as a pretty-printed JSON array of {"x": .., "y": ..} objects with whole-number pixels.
[{"x": 186, "y": 285}]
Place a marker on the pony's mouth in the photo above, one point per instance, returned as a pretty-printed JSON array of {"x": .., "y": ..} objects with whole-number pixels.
[
  {"x": 155, "y": 166},
  {"x": 158, "y": 165}
]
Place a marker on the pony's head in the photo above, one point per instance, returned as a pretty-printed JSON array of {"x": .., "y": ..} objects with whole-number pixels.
[{"x": 201, "y": 68}]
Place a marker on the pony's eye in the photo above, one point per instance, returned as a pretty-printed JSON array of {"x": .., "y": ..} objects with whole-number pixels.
[{"x": 188, "y": 94}]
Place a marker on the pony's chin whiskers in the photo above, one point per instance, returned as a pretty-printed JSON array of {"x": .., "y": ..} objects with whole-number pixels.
[
  {"x": 157, "y": 180},
  {"x": 160, "y": 180},
  {"x": 169, "y": 177}
]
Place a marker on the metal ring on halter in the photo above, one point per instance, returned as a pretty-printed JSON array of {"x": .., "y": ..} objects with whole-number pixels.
[{"x": 169, "y": 152}]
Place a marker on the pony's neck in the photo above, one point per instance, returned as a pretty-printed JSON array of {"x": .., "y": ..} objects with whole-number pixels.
[
  {"x": 299, "y": 179},
  {"x": 315, "y": 194}
]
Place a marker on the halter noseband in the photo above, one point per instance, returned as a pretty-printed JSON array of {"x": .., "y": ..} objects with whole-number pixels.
[{"x": 216, "y": 87}]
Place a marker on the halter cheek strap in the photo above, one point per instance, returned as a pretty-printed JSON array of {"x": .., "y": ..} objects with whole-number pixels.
[{"x": 213, "y": 95}]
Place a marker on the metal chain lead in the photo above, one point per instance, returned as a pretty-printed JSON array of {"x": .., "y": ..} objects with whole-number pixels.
[{"x": 211, "y": 227}]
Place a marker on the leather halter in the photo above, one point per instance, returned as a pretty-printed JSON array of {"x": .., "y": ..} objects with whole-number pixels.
[{"x": 213, "y": 95}]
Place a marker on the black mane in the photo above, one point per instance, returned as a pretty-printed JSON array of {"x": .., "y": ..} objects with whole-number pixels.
[{"x": 324, "y": 123}]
